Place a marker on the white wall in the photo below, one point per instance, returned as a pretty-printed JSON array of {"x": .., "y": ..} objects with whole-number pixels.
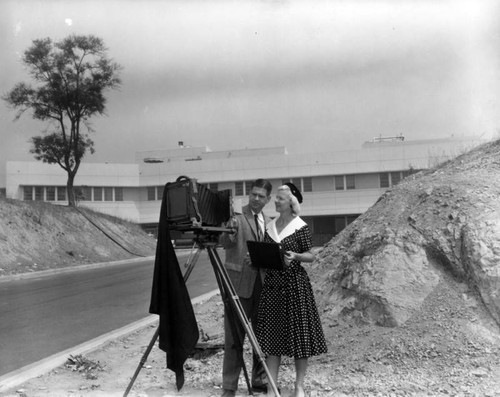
[
  {"x": 31, "y": 173},
  {"x": 226, "y": 167}
]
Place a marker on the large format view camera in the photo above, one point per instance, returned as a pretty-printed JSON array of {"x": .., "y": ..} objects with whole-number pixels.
[{"x": 191, "y": 205}]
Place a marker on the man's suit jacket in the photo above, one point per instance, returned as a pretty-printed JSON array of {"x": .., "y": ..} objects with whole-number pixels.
[{"x": 238, "y": 265}]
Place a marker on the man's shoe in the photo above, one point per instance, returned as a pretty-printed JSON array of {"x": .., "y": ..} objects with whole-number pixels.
[
  {"x": 261, "y": 389},
  {"x": 228, "y": 393}
]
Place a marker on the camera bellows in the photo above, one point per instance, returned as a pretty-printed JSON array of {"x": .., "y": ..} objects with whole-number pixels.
[{"x": 190, "y": 204}]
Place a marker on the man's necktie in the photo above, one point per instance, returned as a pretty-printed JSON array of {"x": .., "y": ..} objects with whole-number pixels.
[{"x": 259, "y": 233}]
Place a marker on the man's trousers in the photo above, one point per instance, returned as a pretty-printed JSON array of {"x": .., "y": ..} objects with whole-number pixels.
[{"x": 233, "y": 347}]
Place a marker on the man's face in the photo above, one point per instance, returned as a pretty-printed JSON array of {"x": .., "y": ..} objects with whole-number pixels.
[{"x": 257, "y": 199}]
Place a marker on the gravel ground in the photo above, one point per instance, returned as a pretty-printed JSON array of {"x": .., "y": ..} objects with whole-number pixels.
[{"x": 449, "y": 348}]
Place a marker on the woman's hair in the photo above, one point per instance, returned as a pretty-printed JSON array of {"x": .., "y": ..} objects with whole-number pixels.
[{"x": 294, "y": 203}]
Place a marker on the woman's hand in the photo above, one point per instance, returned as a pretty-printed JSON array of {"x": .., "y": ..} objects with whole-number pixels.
[
  {"x": 294, "y": 256},
  {"x": 289, "y": 257}
]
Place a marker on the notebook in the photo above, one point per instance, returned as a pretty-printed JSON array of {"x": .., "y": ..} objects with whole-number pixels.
[{"x": 266, "y": 255}]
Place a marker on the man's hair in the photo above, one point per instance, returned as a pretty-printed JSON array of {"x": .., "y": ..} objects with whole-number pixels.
[{"x": 263, "y": 184}]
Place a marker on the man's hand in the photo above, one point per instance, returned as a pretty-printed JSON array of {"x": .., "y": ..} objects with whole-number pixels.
[
  {"x": 229, "y": 237},
  {"x": 232, "y": 223}
]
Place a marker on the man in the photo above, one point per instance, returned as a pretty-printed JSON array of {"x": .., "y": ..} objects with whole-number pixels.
[{"x": 247, "y": 282}]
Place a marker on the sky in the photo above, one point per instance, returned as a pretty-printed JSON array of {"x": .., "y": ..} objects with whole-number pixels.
[{"x": 313, "y": 76}]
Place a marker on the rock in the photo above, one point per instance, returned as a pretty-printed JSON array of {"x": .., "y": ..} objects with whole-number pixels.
[{"x": 480, "y": 372}]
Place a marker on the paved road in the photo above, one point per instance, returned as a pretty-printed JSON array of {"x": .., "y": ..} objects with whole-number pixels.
[{"x": 46, "y": 315}]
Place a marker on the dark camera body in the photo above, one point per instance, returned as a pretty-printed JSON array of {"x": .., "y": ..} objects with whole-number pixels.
[{"x": 191, "y": 205}]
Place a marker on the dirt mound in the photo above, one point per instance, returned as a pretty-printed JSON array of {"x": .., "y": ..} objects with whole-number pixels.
[
  {"x": 443, "y": 221},
  {"x": 411, "y": 287},
  {"x": 38, "y": 236}
]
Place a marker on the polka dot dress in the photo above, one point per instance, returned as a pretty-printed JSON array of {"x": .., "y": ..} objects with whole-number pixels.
[{"x": 288, "y": 321}]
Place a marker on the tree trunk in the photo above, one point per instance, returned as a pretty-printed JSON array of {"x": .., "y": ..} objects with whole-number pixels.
[{"x": 71, "y": 190}]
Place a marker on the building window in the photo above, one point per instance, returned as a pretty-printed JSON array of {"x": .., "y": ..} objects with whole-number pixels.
[
  {"x": 28, "y": 193},
  {"x": 351, "y": 218},
  {"x": 390, "y": 179},
  {"x": 86, "y": 193},
  {"x": 213, "y": 186},
  {"x": 238, "y": 189},
  {"x": 395, "y": 178},
  {"x": 108, "y": 194},
  {"x": 61, "y": 193},
  {"x": 50, "y": 193},
  {"x": 118, "y": 194},
  {"x": 296, "y": 181},
  {"x": 350, "y": 182},
  {"x": 248, "y": 187},
  {"x": 384, "y": 180},
  {"x": 324, "y": 225},
  {"x": 307, "y": 184},
  {"x": 303, "y": 184},
  {"x": 159, "y": 192},
  {"x": 339, "y": 182},
  {"x": 340, "y": 224},
  {"x": 39, "y": 193},
  {"x": 151, "y": 193},
  {"x": 98, "y": 193}
]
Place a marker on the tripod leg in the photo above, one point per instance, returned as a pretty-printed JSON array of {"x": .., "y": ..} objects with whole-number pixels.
[
  {"x": 142, "y": 362},
  {"x": 193, "y": 258},
  {"x": 219, "y": 267}
]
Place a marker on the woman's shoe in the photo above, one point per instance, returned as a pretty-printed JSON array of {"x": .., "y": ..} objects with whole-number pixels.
[
  {"x": 271, "y": 393},
  {"x": 299, "y": 392}
]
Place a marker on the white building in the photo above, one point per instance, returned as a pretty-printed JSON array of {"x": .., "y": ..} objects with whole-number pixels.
[{"x": 337, "y": 186}]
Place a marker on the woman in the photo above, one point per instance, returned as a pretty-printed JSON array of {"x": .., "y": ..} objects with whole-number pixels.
[{"x": 288, "y": 321}]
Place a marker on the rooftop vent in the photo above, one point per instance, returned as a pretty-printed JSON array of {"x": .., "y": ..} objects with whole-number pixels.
[
  {"x": 381, "y": 138},
  {"x": 152, "y": 160}
]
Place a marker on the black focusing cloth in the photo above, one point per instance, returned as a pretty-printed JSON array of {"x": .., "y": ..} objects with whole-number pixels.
[{"x": 170, "y": 300}]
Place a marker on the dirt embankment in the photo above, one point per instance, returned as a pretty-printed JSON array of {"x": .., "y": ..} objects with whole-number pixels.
[{"x": 39, "y": 236}]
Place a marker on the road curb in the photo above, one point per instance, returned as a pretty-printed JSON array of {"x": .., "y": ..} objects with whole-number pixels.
[
  {"x": 21, "y": 375},
  {"x": 49, "y": 272}
]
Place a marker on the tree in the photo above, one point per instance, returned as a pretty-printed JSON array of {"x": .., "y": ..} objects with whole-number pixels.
[{"x": 72, "y": 76}]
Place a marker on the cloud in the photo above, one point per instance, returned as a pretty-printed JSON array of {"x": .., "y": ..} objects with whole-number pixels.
[{"x": 17, "y": 28}]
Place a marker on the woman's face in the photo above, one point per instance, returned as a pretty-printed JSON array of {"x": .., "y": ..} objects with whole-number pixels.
[{"x": 282, "y": 203}]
